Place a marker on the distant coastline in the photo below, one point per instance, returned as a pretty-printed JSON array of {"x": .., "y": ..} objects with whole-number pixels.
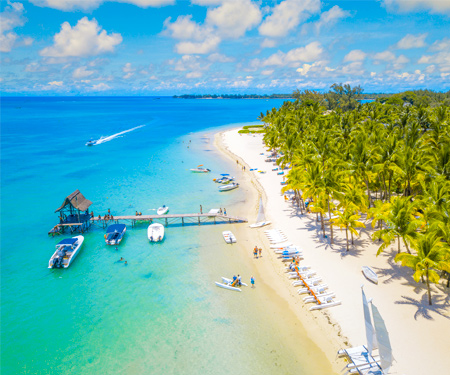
[{"x": 234, "y": 96}]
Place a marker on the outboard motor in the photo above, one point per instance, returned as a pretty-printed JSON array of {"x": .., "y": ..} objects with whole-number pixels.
[{"x": 58, "y": 261}]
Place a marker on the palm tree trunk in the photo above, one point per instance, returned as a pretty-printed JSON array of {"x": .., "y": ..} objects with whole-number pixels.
[
  {"x": 331, "y": 225},
  {"x": 398, "y": 237},
  {"x": 346, "y": 234},
  {"x": 323, "y": 225},
  {"x": 407, "y": 248},
  {"x": 351, "y": 233},
  {"x": 368, "y": 192},
  {"x": 390, "y": 180},
  {"x": 428, "y": 287}
]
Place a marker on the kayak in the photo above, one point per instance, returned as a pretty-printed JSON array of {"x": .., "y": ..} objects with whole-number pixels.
[{"x": 226, "y": 286}]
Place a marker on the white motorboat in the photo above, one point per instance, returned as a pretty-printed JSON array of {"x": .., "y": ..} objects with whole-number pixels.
[
  {"x": 115, "y": 233},
  {"x": 229, "y": 281},
  {"x": 155, "y": 232},
  {"x": 370, "y": 274},
  {"x": 227, "y": 286},
  {"x": 66, "y": 251},
  {"x": 230, "y": 186},
  {"x": 91, "y": 142},
  {"x": 228, "y": 237},
  {"x": 200, "y": 169},
  {"x": 261, "y": 218},
  {"x": 162, "y": 210},
  {"x": 225, "y": 179}
]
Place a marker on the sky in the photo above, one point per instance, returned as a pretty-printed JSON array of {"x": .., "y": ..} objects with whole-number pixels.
[{"x": 168, "y": 47}]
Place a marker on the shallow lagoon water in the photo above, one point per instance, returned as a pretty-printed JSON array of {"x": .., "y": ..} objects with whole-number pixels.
[{"x": 159, "y": 314}]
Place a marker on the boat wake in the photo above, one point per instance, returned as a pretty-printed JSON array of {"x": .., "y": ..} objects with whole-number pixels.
[{"x": 111, "y": 137}]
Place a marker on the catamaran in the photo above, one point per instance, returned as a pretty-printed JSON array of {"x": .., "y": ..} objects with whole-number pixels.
[
  {"x": 155, "y": 232},
  {"x": 115, "y": 233},
  {"x": 261, "y": 218},
  {"x": 66, "y": 251}
]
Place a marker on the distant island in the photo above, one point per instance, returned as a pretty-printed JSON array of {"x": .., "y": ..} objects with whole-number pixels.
[{"x": 234, "y": 96}]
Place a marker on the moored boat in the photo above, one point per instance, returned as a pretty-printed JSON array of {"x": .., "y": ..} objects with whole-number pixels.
[
  {"x": 200, "y": 169},
  {"x": 162, "y": 210},
  {"x": 227, "y": 286},
  {"x": 66, "y": 251},
  {"x": 155, "y": 232},
  {"x": 230, "y": 186},
  {"x": 115, "y": 233},
  {"x": 229, "y": 281}
]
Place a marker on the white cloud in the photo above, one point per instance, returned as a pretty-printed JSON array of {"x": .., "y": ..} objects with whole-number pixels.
[
  {"x": 86, "y": 38},
  {"x": 331, "y": 17},
  {"x": 434, "y": 6},
  {"x": 218, "y": 57},
  {"x": 82, "y": 72},
  {"x": 384, "y": 56},
  {"x": 430, "y": 69},
  {"x": 209, "y": 45},
  {"x": 194, "y": 75},
  {"x": 207, "y": 2},
  {"x": 355, "y": 55},
  {"x": 441, "y": 45},
  {"x": 68, "y": 5},
  {"x": 268, "y": 43},
  {"x": 10, "y": 18},
  {"x": 267, "y": 72},
  {"x": 287, "y": 15},
  {"x": 311, "y": 52},
  {"x": 353, "y": 69},
  {"x": 234, "y": 17},
  {"x": 129, "y": 70},
  {"x": 442, "y": 59},
  {"x": 56, "y": 83},
  {"x": 304, "y": 69},
  {"x": 412, "y": 41},
  {"x": 100, "y": 87},
  {"x": 190, "y": 63},
  {"x": 35, "y": 67},
  {"x": 184, "y": 28}
]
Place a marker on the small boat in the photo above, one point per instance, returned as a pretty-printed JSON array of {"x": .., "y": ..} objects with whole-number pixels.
[
  {"x": 225, "y": 179},
  {"x": 91, "y": 142},
  {"x": 261, "y": 218},
  {"x": 230, "y": 186},
  {"x": 115, "y": 233},
  {"x": 227, "y": 286},
  {"x": 228, "y": 237},
  {"x": 162, "y": 210},
  {"x": 155, "y": 232},
  {"x": 200, "y": 169},
  {"x": 66, "y": 251},
  {"x": 229, "y": 281},
  {"x": 370, "y": 274}
]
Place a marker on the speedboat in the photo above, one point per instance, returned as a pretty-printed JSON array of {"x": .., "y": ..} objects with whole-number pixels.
[
  {"x": 162, "y": 210},
  {"x": 200, "y": 170},
  {"x": 230, "y": 186},
  {"x": 225, "y": 179},
  {"x": 115, "y": 233},
  {"x": 65, "y": 253},
  {"x": 91, "y": 142},
  {"x": 155, "y": 232}
]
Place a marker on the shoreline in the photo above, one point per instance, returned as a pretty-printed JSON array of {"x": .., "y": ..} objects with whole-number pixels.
[
  {"x": 269, "y": 271},
  {"x": 398, "y": 298}
]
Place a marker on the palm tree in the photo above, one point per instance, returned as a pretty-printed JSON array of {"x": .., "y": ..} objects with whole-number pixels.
[
  {"x": 401, "y": 223},
  {"x": 349, "y": 221},
  {"x": 431, "y": 256}
]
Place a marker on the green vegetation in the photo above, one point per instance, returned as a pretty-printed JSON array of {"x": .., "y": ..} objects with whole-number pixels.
[
  {"x": 252, "y": 129},
  {"x": 233, "y": 96},
  {"x": 385, "y": 161}
]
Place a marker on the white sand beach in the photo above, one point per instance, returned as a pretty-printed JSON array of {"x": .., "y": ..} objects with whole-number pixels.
[{"x": 419, "y": 333}]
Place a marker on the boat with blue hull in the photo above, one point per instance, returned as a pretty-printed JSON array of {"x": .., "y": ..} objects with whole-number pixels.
[
  {"x": 66, "y": 251},
  {"x": 115, "y": 233}
]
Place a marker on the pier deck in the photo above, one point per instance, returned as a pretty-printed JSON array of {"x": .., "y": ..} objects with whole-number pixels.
[{"x": 213, "y": 218}]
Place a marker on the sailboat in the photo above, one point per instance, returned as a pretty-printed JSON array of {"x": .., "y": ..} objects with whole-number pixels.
[
  {"x": 362, "y": 359},
  {"x": 261, "y": 218}
]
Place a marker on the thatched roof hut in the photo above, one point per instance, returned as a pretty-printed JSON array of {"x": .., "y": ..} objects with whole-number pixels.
[{"x": 75, "y": 200}]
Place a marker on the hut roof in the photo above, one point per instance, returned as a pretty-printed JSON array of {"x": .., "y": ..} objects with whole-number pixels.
[{"x": 77, "y": 200}]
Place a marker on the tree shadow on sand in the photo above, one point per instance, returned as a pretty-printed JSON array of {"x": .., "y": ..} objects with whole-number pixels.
[{"x": 440, "y": 305}]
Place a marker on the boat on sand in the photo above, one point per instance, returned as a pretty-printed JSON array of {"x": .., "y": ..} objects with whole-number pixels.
[
  {"x": 370, "y": 274},
  {"x": 228, "y": 237},
  {"x": 261, "y": 218}
]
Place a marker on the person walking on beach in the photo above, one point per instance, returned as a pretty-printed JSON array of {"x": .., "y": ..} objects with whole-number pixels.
[
  {"x": 255, "y": 252},
  {"x": 224, "y": 211},
  {"x": 252, "y": 280},
  {"x": 260, "y": 250}
]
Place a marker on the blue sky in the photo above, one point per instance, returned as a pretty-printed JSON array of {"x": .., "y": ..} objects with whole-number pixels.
[{"x": 165, "y": 47}]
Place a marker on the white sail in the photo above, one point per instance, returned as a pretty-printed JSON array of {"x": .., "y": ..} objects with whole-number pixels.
[
  {"x": 384, "y": 345},
  {"x": 370, "y": 332},
  {"x": 261, "y": 217}
]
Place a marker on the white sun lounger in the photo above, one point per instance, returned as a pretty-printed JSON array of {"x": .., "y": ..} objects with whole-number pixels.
[
  {"x": 316, "y": 289},
  {"x": 309, "y": 299},
  {"x": 310, "y": 282},
  {"x": 306, "y": 274}
]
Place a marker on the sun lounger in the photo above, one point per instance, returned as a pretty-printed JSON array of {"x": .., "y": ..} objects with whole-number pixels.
[
  {"x": 316, "y": 289},
  {"x": 311, "y": 282},
  {"x": 306, "y": 274}
]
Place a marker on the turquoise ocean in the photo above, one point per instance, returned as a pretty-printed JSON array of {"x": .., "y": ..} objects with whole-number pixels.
[{"x": 161, "y": 313}]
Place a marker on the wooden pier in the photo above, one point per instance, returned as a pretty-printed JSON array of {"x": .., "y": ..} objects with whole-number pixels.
[{"x": 208, "y": 218}]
